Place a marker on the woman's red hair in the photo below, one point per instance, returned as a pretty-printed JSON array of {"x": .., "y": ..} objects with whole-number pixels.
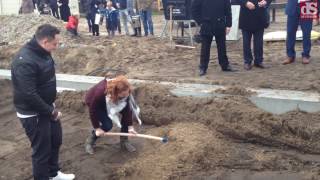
[{"x": 117, "y": 85}]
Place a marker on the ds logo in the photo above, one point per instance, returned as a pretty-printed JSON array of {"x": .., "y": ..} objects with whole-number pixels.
[{"x": 309, "y": 9}]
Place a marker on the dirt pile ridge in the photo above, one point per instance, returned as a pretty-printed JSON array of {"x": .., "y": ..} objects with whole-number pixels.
[
  {"x": 235, "y": 90},
  {"x": 189, "y": 150},
  {"x": 20, "y": 28}
]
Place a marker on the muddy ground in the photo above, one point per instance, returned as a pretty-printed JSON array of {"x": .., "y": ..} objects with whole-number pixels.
[
  {"x": 225, "y": 138},
  {"x": 212, "y": 138},
  {"x": 153, "y": 59}
]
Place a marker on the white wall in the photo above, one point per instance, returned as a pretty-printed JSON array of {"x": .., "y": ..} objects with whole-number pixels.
[{"x": 9, "y": 7}]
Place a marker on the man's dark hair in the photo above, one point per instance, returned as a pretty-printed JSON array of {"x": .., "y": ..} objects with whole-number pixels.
[{"x": 46, "y": 31}]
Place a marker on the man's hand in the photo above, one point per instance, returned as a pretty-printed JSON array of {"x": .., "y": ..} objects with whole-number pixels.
[
  {"x": 250, "y": 5},
  {"x": 228, "y": 30},
  {"x": 262, "y": 3},
  {"x": 56, "y": 115},
  {"x": 99, "y": 132},
  {"x": 131, "y": 130}
]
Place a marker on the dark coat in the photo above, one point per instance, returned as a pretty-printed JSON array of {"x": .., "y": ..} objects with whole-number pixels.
[
  {"x": 64, "y": 10},
  {"x": 96, "y": 101},
  {"x": 213, "y": 15},
  {"x": 253, "y": 20},
  {"x": 34, "y": 80},
  {"x": 53, "y": 4}
]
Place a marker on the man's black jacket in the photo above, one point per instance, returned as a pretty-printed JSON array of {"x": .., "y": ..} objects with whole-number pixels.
[
  {"x": 212, "y": 15},
  {"x": 34, "y": 80}
]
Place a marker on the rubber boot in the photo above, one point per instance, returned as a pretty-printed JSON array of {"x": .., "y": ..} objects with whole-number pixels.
[
  {"x": 125, "y": 145},
  {"x": 90, "y": 141}
]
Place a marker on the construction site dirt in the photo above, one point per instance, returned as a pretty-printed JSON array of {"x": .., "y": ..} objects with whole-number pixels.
[{"x": 217, "y": 138}]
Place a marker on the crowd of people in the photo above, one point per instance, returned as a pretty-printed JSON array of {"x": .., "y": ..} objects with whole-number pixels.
[
  {"x": 117, "y": 12},
  {"x": 110, "y": 101},
  {"x": 215, "y": 19},
  {"x": 58, "y": 8}
]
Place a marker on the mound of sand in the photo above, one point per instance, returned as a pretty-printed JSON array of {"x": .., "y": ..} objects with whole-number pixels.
[
  {"x": 235, "y": 90},
  {"x": 19, "y": 29},
  {"x": 191, "y": 148}
]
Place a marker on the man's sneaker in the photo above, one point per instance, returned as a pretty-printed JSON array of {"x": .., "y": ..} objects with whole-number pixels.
[{"x": 62, "y": 176}]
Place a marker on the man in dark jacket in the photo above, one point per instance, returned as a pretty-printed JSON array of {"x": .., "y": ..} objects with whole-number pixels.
[
  {"x": 254, "y": 18},
  {"x": 215, "y": 19},
  {"x": 34, "y": 90}
]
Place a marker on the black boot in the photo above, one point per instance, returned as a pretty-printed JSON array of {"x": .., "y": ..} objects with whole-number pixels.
[
  {"x": 125, "y": 145},
  {"x": 90, "y": 141}
]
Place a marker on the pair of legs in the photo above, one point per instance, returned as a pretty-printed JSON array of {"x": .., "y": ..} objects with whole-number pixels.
[
  {"x": 73, "y": 32},
  {"x": 146, "y": 16},
  {"x": 89, "y": 22},
  {"x": 106, "y": 125},
  {"x": 125, "y": 18},
  {"x": 45, "y": 136},
  {"x": 292, "y": 26},
  {"x": 257, "y": 47},
  {"x": 220, "y": 38},
  {"x": 111, "y": 33},
  {"x": 55, "y": 12},
  {"x": 95, "y": 27}
]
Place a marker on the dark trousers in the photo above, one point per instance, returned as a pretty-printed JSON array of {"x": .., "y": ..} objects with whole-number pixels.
[
  {"x": 73, "y": 32},
  {"x": 95, "y": 27},
  {"x": 45, "y": 136},
  {"x": 220, "y": 38},
  {"x": 55, "y": 12},
  {"x": 89, "y": 22},
  {"x": 106, "y": 122},
  {"x": 292, "y": 26},
  {"x": 119, "y": 26},
  {"x": 257, "y": 46}
]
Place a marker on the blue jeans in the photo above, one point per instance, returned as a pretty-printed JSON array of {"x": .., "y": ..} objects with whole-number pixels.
[
  {"x": 125, "y": 18},
  {"x": 146, "y": 16},
  {"x": 292, "y": 26}
]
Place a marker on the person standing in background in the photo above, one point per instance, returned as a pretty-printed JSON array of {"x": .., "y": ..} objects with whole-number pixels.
[
  {"x": 256, "y": 11},
  {"x": 144, "y": 8},
  {"x": 293, "y": 11},
  {"x": 94, "y": 9},
  {"x": 54, "y": 8},
  {"x": 215, "y": 19},
  {"x": 64, "y": 10},
  {"x": 124, "y": 14}
]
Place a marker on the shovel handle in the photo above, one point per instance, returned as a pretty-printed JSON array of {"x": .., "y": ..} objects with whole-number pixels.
[{"x": 162, "y": 139}]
